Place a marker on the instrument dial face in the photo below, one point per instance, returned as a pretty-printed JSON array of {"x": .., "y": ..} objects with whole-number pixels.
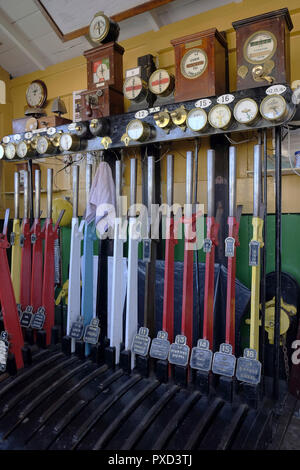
[
  {"x": 99, "y": 27},
  {"x": 196, "y": 119},
  {"x": 159, "y": 81},
  {"x": 101, "y": 72},
  {"x": 22, "y": 149},
  {"x": 245, "y": 111},
  {"x": 66, "y": 142},
  {"x": 132, "y": 87},
  {"x": 273, "y": 107},
  {"x": 36, "y": 94},
  {"x": 1, "y": 152},
  {"x": 260, "y": 47},
  {"x": 219, "y": 116},
  {"x": 135, "y": 129},
  {"x": 42, "y": 145},
  {"x": 10, "y": 151},
  {"x": 193, "y": 63}
]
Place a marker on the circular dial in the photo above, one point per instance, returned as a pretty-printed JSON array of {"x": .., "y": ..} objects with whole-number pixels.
[
  {"x": 245, "y": 111},
  {"x": 219, "y": 116},
  {"x": 43, "y": 145},
  {"x": 10, "y": 151},
  {"x": 133, "y": 87},
  {"x": 193, "y": 63},
  {"x": 36, "y": 94},
  {"x": 196, "y": 119},
  {"x": 161, "y": 82},
  {"x": 99, "y": 27},
  {"x": 1, "y": 152},
  {"x": 66, "y": 142},
  {"x": 273, "y": 107},
  {"x": 22, "y": 149},
  {"x": 260, "y": 47},
  {"x": 138, "y": 130}
]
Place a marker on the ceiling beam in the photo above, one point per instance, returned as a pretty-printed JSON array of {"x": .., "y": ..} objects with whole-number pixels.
[
  {"x": 123, "y": 15},
  {"x": 20, "y": 40}
]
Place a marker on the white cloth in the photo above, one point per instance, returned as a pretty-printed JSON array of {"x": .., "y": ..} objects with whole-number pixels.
[{"x": 102, "y": 198}]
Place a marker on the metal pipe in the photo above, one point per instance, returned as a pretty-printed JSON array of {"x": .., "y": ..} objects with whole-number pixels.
[
  {"x": 170, "y": 180},
  {"x": 196, "y": 170},
  {"x": 264, "y": 256},
  {"x": 37, "y": 184},
  {"x": 88, "y": 181},
  {"x": 211, "y": 183},
  {"x": 189, "y": 177},
  {"x": 75, "y": 190},
  {"x": 257, "y": 181},
  {"x": 26, "y": 195},
  {"x": 277, "y": 261},
  {"x": 118, "y": 186},
  {"x": 151, "y": 182},
  {"x": 49, "y": 192},
  {"x": 17, "y": 195},
  {"x": 232, "y": 182}
]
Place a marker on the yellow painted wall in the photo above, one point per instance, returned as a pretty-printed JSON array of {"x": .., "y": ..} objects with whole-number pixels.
[{"x": 62, "y": 79}]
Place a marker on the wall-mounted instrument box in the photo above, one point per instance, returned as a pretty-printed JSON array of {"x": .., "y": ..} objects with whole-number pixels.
[
  {"x": 104, "y": 95},
  {"x": 263, "y": 49},
  {"x": 200, "y": 65}
]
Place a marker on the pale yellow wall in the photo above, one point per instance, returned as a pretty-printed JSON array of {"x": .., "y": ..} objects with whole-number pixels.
[{"x": 63, "y": 78}]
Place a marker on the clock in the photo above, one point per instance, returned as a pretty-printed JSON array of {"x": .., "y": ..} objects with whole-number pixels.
[
  {"x": 36, "y": 94},
  {"x": 102, "y": 29},
  {"x": 263, "y": 49},
  {"x": 135, "y": 89},
  {"x": 200, "y": 65},
  {"x": 196, "y": 119}
]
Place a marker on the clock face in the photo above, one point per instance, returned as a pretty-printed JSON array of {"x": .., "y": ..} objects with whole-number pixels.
[
  {"x": 245, "y": 111},
  {"x": 219, "y": 116},
  {"x": 101, "y": 71},
  {"x": 159, "y": 81},
  {"x": 1, "y": 152},
  {"x": 132, "y": 87},
  {"x": 36, "y": 94},
  {"x": 193, "y": 63},
  {"x": 99, "y": 28},
  {"x": 259, "y": 47}
]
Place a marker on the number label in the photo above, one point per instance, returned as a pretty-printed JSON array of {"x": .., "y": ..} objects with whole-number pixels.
[
  {"x": 276, "y": 90},
  {"x": 225, "y": 99},
  {"x": 141, "y": 114},
  {"x": 204, "y": 103}
]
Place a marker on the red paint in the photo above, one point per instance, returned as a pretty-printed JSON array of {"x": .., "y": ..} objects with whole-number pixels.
[
  {"x": 48, "y": 301},
  {"x": 131, "y": 88},
  {"x": 233, "y": 231},
  {"x": 9, "y": 306},
  {"x": 209, "y": 289},
  {"x": 168, "y": 306},
  {"x": 187, "y": 294},
  {"x": 37, "y": 266},
  {"x": 160, "y": 82},
  {"x": 25, "y": 280}
]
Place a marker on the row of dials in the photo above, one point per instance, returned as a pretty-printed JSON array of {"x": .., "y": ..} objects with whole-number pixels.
[
  {"x": 160, "y": 83},
  {"x": 273, "y": 108}
]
